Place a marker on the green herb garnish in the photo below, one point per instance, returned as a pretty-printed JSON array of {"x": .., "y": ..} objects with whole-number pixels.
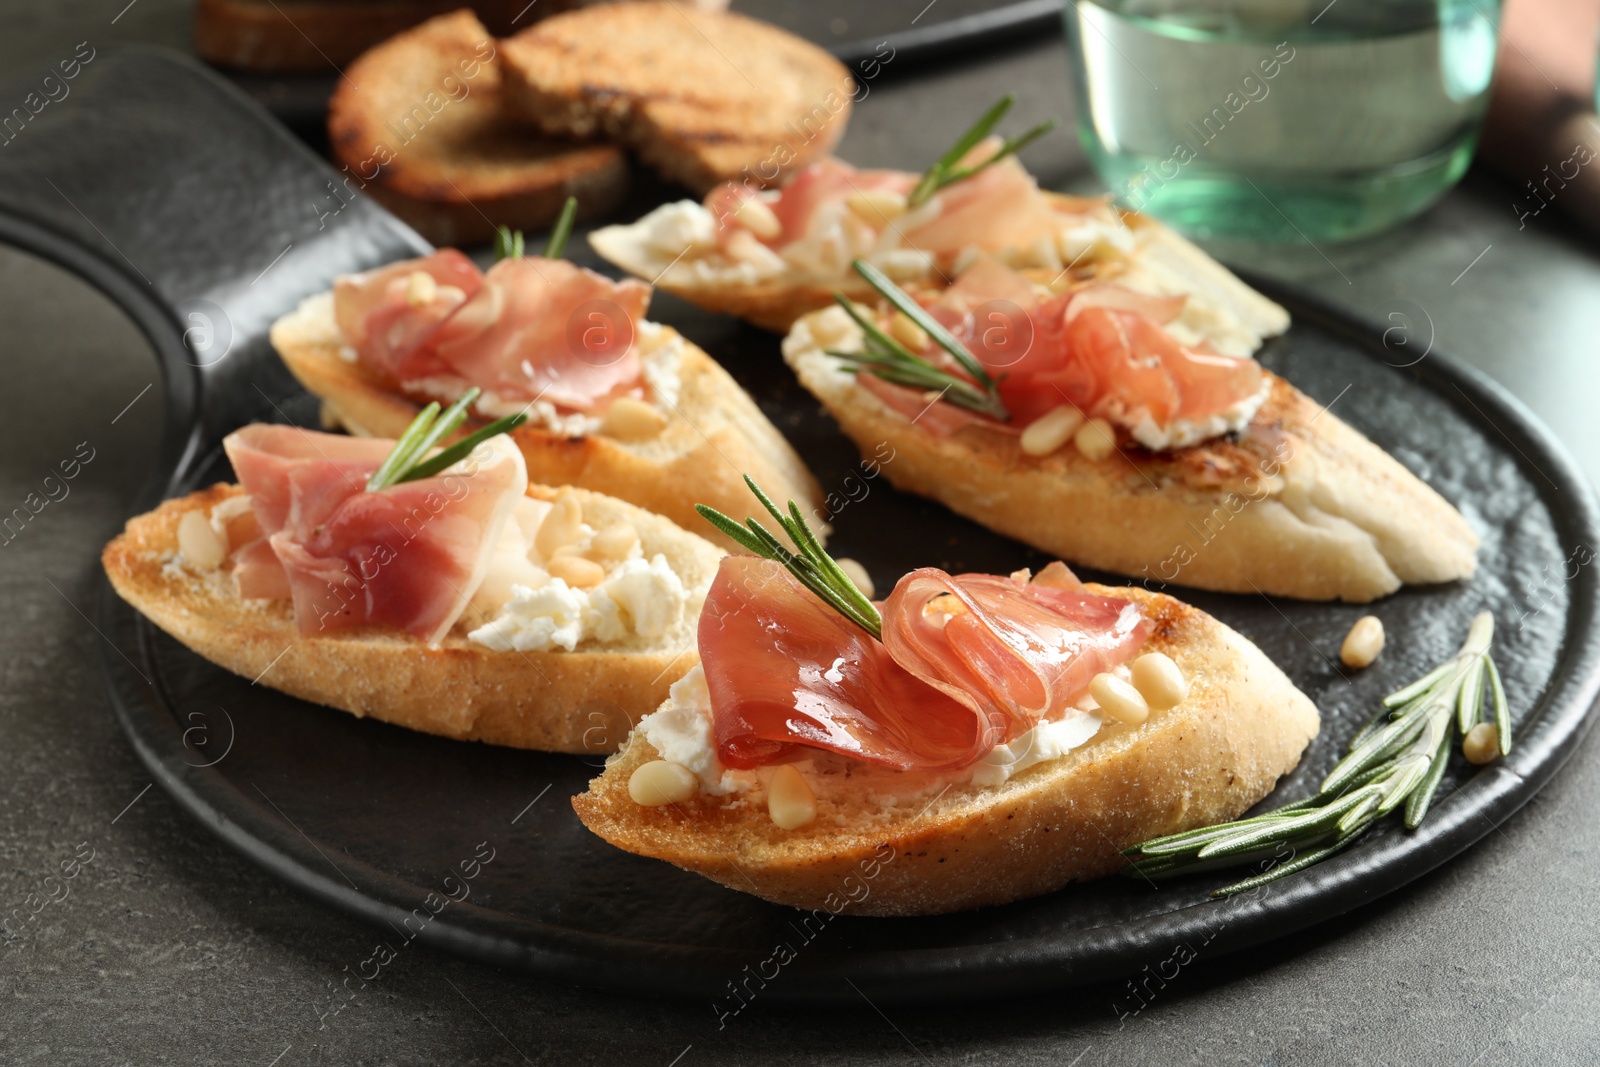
[
  {"x": 944, "y": 172},
  {"x": 509, "y": 243},
  {"x": 813, "y": 567},
  {"x": 1398, "y": 759},
  {"x": 894, "y": 362},
  {"x": 406, "y": 464}
]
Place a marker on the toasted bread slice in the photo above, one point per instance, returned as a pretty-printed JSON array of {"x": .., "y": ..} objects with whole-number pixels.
[
  {"x": 715, "y": 433},
  {"x": 942, "y": 846},
  {"x": 1159, "y": 261},
  {"x": 1301, "y": 505},
  {"x": 321, "y": 36},
  {"x": 702, "y": 96},
  {"x": 580, "y": 701},
  {"x": 419, "y": 123}
]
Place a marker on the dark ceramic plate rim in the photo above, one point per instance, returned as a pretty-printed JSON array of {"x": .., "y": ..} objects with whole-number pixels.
[{"x": 1338, "y": 885}]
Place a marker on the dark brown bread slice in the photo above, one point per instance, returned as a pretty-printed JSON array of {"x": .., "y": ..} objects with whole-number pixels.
[
  {"x": 418, "y": 123},
  {"x": 702, "y": 96}
]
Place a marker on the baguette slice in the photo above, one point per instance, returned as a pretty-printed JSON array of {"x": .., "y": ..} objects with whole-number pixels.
[
  {"x": 935, "y": 849},
  {"x": 715, "y": 435},
  {"x": 702, "y": 96},
  {"x": 580, "y": 701},
  {"x": 1301, "y": 505},
  {"x": 1160, "y": 261},
  {"x": 419, "y": 122},
  {"x": 317, "y": 36}
]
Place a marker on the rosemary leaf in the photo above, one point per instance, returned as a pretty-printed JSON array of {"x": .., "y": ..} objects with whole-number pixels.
[
  {"x": 508, "y": 243},
  {"x": 400, "y": 456},
  {"x": 459, "y": 451},
  {"x": 811, "y": 566},
  {"x": 1502, "y": 711},
  {"x": 931, "y": 326},
  {"x": 556, "y": 247},
  {"x": 943, "y": 172},
  {"x": 1418, "y": 803},
  {"x": 1469, "y": 701}
]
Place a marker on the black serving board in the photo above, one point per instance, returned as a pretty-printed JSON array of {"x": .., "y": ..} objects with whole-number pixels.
[{"x": 175, "y": 195}]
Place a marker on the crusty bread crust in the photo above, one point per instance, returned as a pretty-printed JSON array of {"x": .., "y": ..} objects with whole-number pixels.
[
  {"x": 702, "y": 96},
  {"x": 1165, "y": 259},
  {"x": 1303, "y": 506},
  {"x": 420, "y": 123},
  {"x": 715, "y": 436},
  {"x": 580, "y": 701},
  {"x": 1205, "y": 761}
]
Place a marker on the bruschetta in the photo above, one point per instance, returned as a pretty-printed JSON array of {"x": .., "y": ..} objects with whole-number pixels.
[
  {"x": 467, "y": 603},
  {"x": 970, "y": 740},
  {"x": 770, "y": 256},
  {"x": 615, "y": 403},
  {"x": 1092, "y": 425}
]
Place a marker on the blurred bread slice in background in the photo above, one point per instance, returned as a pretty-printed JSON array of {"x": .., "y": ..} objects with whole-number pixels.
[
  {"x": 418, "y": 124},
  {"x": 320, "y": 36},
  {"x": 701, "y": 96}
]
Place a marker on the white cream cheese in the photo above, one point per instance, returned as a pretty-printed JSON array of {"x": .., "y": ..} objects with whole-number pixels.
[
  {"x": 1181, "y": 433},
  {"x": 1045, "y": 742},
  {"x": 680, "y": 730},
  {"x": 637, "y": 598}
]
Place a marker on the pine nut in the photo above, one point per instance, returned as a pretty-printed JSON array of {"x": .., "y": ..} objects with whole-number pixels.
[
  {"x": 1057, "y": 575},
  {"x": 754, "y": 215},
  {"x": 632, "y": 419},
  {"x": 876, "y": 207},
  {"x": 1482, "y": 744},
  {"x": 560, "y": 526},
  {"x": 1052, "y": 430},
  {"x": 790, "y": 801},
  {"x": 1363, "y": 643},
  {"x": 662, "y": 782},
  {"x": 577, "y": 572},
  {"x": 908, "y": 333},
  {"x": 1119, "y": 699},
  {"x": 199, "y": 543},
  {"x": 1159, "y": 681},
  {"x": 1095, "y": 439},
  {"x": 616, "y": 541},
  {"x": 832, "y": 328},
  {"x": 857, "y": 574},
  {"x": 421, "y": 289}
]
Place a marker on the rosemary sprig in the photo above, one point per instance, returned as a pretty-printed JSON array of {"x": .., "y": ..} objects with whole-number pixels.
[
  {"x": 510, "y": 244},
  {"x": 944, "y": 170},
  {"x": 813, "y": 567},
  {"x": 892, "y": 361},
  {"x": 1398, "y": 759},
  {"x": 405, "y": 463}
]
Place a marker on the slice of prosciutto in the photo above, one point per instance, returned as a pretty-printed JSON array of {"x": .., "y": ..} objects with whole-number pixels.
[
  {"x": 408, "y": 557},
  {"x": 786, "y": 672},
  {"x": 1102, "y": 348},
  {"x": 545, "y": 328},
  {"x": 389, "y": 324},
  {"x": 528, "y": 329}
]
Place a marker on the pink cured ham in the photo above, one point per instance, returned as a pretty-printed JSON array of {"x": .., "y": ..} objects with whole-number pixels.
[
  {"x": 1015, "y": 651},
  {"x": 1100, "y": 348},
  {"x": 827, "y": 180},
  {"x": 786, "y": 672},
  {"x": 407, "y": 557},
  {"x": 999, "y": 207},
  {"x": 544, "y": 328},
  {"x": 388, "y": 332}
]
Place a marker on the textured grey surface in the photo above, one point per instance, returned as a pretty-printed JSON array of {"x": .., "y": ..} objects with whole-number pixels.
[{"x": 168, "y": 949}]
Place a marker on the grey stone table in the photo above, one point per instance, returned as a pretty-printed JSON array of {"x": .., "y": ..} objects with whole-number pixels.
[{"x": 167, "y": 948}]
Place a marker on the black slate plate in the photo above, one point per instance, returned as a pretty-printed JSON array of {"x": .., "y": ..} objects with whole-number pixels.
[{"x": 212, "y": 224}]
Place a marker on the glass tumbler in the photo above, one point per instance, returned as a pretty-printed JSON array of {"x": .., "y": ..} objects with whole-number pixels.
[{"x": 1281, "y": 119}]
